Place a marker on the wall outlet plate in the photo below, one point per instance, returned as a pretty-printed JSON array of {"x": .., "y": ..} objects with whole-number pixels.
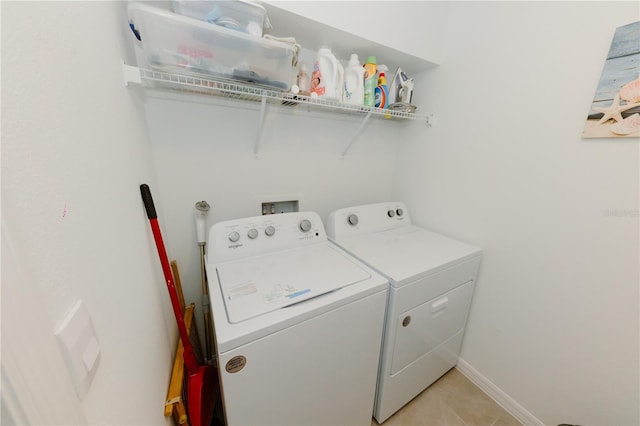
[{"x": 79, "y": 346}]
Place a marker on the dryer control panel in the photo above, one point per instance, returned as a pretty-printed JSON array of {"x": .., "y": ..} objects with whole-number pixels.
[
  {"x": 367, "y": 219},
  {"x": 256, "y": 235}
]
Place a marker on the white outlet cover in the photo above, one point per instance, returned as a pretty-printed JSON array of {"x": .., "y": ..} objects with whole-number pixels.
[{"x": 79, "y": 345}]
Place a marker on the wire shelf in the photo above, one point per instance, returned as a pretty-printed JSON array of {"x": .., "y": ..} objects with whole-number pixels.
[
  {"x": 255, "y": 93},
  {"x": 250, "y": 92}
]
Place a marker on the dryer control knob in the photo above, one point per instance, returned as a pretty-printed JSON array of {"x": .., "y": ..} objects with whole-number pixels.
[
  {"x": 391, "y": 213},
  {"x": 352, "y": 219},
  {"x": 406, "y": 321},
  {"x": 305, "y": 225},
  {"x": 253, "y": 233},
  {"x": 269, "y": 231},
  {"x": 399, "y": 212},
  {"x": 234, "y": 237}
]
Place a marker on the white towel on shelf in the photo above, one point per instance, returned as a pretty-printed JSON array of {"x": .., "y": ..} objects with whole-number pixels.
[{"x": 288, "y": 40}]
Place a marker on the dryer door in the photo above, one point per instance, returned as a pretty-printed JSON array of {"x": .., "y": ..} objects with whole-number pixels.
[{"x": 427, "y": 326}]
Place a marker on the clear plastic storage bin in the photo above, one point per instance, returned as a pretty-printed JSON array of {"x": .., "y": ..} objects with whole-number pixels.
[
  {"x": 176, "y": 43},
  {"x": 239, "y": 15}
]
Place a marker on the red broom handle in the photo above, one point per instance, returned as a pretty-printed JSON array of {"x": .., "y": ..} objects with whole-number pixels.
[{"x": 189, "y": 357}]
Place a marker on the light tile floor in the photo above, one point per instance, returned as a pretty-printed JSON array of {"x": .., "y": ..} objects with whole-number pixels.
[{"x": 451, "y": 401}]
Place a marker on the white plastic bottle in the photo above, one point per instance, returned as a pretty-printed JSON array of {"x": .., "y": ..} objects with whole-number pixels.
[
  {"x": 325, "y": 74},
  {"x": 354, "y": 82}
]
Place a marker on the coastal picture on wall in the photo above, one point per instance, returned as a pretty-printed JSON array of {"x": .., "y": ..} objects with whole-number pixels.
[{"x": 615, "y": 111}]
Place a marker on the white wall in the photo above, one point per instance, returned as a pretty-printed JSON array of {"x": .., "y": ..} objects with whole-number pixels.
[
  {"x": 74, "y": 151},
  {"x": 555, "y": 318}
]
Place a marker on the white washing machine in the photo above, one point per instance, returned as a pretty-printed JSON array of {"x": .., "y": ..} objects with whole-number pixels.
[
  {"x": 298, "y": 323},
  {"x": 431, "y": 280}
]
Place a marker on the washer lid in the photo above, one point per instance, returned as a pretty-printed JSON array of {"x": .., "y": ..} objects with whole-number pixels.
[
  {"x": 257, "y": 285},
  {"x": 405, "y": 253}
]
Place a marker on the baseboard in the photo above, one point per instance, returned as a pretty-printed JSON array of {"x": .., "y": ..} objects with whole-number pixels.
[{"x": 498, "y": 395}]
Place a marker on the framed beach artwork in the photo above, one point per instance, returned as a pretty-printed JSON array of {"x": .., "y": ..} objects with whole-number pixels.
[{"x": 615, "y": 110}]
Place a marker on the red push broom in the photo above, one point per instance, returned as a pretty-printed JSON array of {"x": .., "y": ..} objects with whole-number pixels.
[{"x": 200, "y": 378}]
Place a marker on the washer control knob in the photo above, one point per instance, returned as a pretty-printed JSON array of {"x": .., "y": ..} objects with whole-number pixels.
[
  {"x": 391, "y": 213},
  {"x": 253, "y": 233},
  {"x": 353, "y": 219},
  {"x": 305, "y": 225},
  {"x": 399, "y": 212},
  {"x": 269, "y": 231},
  {"x": 234, "y": 237}
]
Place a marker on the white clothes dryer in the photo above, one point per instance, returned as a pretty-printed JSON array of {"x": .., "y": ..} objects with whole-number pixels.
[
  {"x": 298, "y": 323},
  {"x": 432, "y": 280}
]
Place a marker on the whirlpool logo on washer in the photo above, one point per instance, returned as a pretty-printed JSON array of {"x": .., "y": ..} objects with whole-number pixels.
[
  {"x": 235, "y": 364},
  {"x": 234, "y": 246}
]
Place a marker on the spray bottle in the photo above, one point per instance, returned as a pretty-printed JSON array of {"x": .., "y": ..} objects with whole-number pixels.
[{"x": 381, "y": 91}]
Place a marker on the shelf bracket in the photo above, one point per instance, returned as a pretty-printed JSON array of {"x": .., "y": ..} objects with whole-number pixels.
[
  {"x": 358, "y": 133},
  {"x": 130, "y": 74},
  {"x": 263, "y": 109}
]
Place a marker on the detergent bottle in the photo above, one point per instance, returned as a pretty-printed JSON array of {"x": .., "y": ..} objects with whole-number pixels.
[
  {"x": 370, "y": 81},
  {"x": 381, "y": 91},
  {"x": 325, "y": 75},
  {"x": 354, "y": 82}
]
